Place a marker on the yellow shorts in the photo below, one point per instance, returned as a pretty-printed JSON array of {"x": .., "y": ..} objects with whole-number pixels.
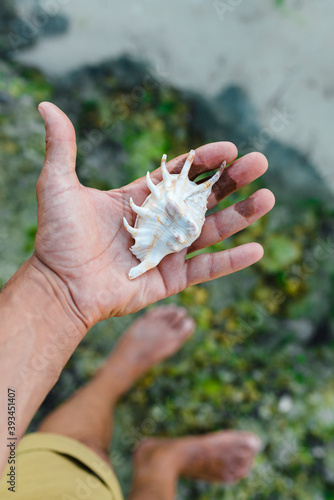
[{"x": 54, "y": 467}]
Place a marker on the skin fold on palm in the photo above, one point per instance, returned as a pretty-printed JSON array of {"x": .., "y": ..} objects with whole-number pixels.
[{"x": 82, "y": 247}]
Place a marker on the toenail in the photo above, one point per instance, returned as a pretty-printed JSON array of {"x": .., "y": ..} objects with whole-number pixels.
[
  {"x": 189, "y": 323},
  {"x": 254, "y": 442}
]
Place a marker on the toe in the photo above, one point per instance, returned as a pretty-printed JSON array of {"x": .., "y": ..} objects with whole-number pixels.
[
  {"x": 238, "y": 468},
  {"x": 172, "y": 314},
  {"x": 245, "y": 468},
  {"x": 159, "y": 311},
  {"x": 179, "y": 316},
  {"x": 188, "y": 327},
  {"x": 252, "y": 441},
  {"x": 178, "y": 335}
]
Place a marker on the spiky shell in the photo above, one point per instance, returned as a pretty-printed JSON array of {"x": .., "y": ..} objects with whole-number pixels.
[{"x": 171, "y": 218}]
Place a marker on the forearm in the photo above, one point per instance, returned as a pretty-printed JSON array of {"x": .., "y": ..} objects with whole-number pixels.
[{"x": 38, "y": 333}]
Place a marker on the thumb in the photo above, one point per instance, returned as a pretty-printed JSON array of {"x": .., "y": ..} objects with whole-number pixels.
[{"x": 61, "y": 149}]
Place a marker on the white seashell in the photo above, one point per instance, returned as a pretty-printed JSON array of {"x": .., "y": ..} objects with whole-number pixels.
[{"x": 171, "y": 218}]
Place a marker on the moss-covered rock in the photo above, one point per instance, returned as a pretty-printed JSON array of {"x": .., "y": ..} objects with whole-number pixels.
[{"x": 262, "y": 356}]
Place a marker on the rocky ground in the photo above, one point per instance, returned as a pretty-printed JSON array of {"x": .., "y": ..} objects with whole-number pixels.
[{"x": 263, "y": 352}]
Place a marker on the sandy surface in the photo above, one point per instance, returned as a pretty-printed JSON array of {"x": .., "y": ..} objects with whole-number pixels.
[{"x": 281, "y": 57}]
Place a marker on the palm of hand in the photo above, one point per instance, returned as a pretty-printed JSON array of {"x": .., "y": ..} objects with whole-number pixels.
[{"x": 82, "y": 240}]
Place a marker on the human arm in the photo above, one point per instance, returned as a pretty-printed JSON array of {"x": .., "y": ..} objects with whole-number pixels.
[
  {"x": 77, "y": 275},
  {"x": 39, "y": 330}
]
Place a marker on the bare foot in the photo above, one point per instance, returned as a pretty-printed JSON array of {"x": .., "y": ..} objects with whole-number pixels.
[
  {"x": 225, "y": 456},
  {"x": 153, "y": 337}
]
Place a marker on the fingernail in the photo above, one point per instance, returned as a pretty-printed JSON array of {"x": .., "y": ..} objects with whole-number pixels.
[{"x": 42, "y": 112}]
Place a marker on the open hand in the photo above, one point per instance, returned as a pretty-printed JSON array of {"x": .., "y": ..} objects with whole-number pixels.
[{"x": 83, "y": 248}]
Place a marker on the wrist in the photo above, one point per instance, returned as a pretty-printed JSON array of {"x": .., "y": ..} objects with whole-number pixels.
[
  {"x": 57, "y": 294},
  {"x": 39, "y": 322}
]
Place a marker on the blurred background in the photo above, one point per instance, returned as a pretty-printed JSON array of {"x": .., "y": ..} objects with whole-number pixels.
[{"x": 139, "y": 79}]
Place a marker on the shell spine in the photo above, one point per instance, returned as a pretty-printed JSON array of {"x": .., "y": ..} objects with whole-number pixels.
[{"x": 171, "y": 218}]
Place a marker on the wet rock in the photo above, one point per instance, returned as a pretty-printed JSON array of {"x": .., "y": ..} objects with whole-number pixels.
[{"x": 21, "y": 29}]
